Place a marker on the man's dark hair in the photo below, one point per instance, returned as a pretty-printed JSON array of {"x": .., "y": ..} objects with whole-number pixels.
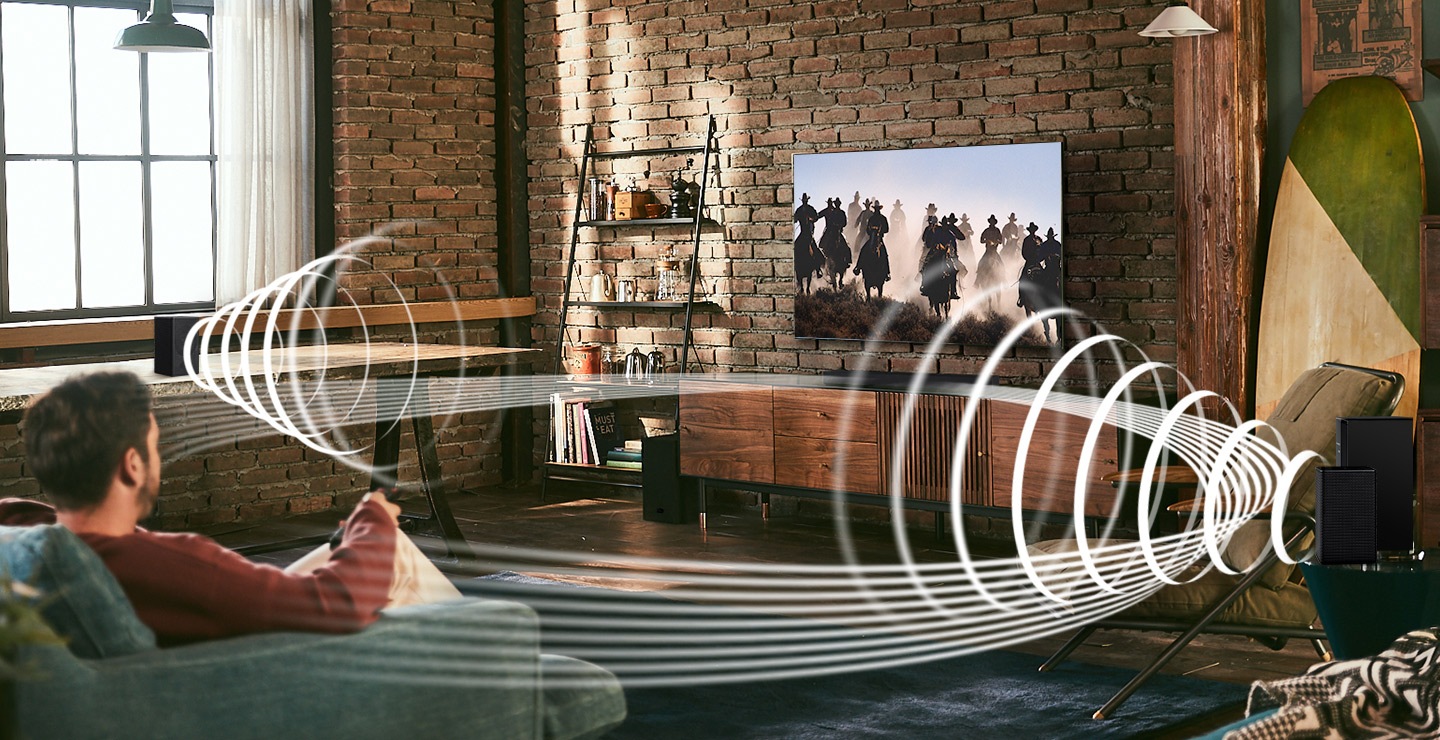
[{"x": 77, "y": 434}]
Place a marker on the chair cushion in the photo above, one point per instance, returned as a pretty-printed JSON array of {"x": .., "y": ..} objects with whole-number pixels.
[
  {"x": 82, "y": 602},
  {"x": 1287, "y": 606},
  {"x": 1305, "y": 420}
]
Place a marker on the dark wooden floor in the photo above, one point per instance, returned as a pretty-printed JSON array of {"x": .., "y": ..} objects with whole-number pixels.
[{"x": 609, "y": 522}]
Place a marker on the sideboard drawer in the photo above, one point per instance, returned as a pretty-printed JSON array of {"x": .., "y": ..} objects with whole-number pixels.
[
  {"x": 727, "y": 432},
  {"x": 827, "y": 464},
  {"x": 825, "y": 413}
]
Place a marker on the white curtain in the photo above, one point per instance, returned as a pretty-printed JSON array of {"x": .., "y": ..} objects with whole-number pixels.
[{"x": 265, "y": 133}]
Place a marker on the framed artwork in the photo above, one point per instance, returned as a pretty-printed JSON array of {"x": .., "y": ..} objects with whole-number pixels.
[
  {"x": 1354, "y": 38},
  {"x": 890, "y": 244}
]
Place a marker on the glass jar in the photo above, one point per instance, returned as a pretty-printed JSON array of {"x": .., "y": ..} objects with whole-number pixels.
[{"x": 667, "y": 273}]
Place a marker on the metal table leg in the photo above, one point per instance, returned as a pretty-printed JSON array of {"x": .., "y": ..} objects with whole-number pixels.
[{"x": 391, "y": 396}]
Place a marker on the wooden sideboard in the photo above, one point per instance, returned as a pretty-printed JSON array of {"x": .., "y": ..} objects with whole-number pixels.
[{"x": 811, "y": 441}]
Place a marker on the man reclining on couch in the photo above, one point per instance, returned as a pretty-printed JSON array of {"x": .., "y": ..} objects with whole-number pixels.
[{"x": 93, "y": 444}]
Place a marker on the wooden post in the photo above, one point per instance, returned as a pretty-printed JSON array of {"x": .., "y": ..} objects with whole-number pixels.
[{"x": 1219, "y": 152}]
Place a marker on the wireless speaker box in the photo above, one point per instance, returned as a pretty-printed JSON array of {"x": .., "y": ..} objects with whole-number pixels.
[
  {"x": 1345, "y": 515},
  {"x": 1387, "y": 444},
  {"x": 666, "y": 496},
  {"x": 170, "y": 332}
]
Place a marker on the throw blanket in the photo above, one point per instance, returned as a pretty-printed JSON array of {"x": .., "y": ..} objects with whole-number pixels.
[{"x": 1396, "y": 694}]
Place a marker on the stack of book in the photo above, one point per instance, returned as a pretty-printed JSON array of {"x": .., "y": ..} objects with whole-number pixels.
[
  {"x": 584, "y": 430},
  {"x": 624, "y": 457}
]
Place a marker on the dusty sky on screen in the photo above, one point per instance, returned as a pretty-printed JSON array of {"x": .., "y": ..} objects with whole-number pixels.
[{"x": 978, "y": 180}]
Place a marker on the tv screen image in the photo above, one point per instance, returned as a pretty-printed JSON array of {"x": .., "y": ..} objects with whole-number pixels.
[{"x": 889, "y": 243}]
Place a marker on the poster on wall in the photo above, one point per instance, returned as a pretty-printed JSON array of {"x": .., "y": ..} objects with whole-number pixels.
[
  {"x": 1355, "y": 38},
  {"x": 890, "y": 244}
]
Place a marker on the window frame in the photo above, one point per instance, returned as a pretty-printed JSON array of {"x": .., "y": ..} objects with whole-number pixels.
[{"x": 145, "y": 158}]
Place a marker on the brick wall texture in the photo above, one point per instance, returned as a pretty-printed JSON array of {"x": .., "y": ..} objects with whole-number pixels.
[
  {"x": 784, "y": 78},
  {"x": 414, "y": 138}
]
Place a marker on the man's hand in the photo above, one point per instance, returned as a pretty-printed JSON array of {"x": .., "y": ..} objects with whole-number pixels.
[{"x": 392, "y": 509}]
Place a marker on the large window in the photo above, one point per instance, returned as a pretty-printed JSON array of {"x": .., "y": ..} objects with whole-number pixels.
[{"x": 108, "y": 184}]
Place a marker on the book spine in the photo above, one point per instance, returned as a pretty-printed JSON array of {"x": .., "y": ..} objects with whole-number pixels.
[
  {"x": 582, "y": 448},
  {"x": 627, "y": 464},
  {"x": 569, "y": 432},
  {"x": 557, "y": 426},
  {"x": 590, "y": 436}
]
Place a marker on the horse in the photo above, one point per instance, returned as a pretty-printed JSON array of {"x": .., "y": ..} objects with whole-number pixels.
[
  {"x": 1040, "y": 290},
  {"x": 874, "y": 263},
  {"x": 833, "y": 244},
  {"x": 937, "y": 277},
  {"x": 809, "y": 261}
]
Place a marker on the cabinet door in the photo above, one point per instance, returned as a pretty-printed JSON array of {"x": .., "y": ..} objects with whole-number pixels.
[
  {"x": 1052, "y": 462},
  {"x": 825, "y": 413},
  {"x": 926, "y": 462},
  {"x": 727, "y": 432},
  {"x": 826, "y": 464},
  {"x": 1427, "y": 446}
]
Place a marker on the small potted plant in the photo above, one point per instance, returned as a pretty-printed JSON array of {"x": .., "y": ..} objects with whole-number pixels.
[{"x": 20, "y": 625}]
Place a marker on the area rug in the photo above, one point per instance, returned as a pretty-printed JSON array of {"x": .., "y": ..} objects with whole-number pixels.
[{"x": 992, "y": 694}]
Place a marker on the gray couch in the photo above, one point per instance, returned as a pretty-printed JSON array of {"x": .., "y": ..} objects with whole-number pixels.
[{"x": 469, "y": 668}]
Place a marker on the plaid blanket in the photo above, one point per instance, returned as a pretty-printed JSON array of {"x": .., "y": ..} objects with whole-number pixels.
[{"x": 1395, "y": 694}]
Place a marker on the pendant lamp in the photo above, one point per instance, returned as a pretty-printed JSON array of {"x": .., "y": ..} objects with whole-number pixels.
[
  {"x": 160, "y": 32},
  {"x": 1177, "y": 20}
]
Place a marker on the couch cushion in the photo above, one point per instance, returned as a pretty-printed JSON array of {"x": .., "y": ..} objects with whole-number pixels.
[{"x": 82, "y": 602}]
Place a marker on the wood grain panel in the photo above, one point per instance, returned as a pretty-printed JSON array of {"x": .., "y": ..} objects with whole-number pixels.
[
  {"x": 90, "y": 331},
  {"x": 727, "y": 432},
  {"x": 1428, "y": 467},
  {"x": 825, "y": 413},
  {"x": 828, "y": 464},
  {"x": 1430, "y": 282},
  {"x": 1052, "y": 461},
  {"x": 1220, "y": 112},
  {"x": 925, "y": 462}
]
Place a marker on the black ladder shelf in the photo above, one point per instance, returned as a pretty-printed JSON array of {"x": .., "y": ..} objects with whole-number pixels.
[{"x": 624, "y": 477}]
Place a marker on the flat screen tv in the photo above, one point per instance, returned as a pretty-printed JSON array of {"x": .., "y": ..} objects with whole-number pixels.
[{"x": 890, "y": 244}]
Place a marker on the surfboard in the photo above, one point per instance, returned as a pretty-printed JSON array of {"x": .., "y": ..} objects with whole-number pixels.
[{"x": 1342, "y": 278}]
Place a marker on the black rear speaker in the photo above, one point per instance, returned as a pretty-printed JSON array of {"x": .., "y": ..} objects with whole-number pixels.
[
  {"x": 666, "y": 496},
  {"x": 1345, "y": 515},
  {"x": 170, "y": 331},
  {"x": 1387, "y": 444}
]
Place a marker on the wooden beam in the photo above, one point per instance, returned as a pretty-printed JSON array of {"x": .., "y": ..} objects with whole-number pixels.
[
  {"x": 95, "y": 331},
  {"x": 1219, "y": 151}
]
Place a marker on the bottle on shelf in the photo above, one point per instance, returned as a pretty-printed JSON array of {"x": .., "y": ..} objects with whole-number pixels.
[
  {"x": 597, "y": 199},
  {"x": 667, "y": 275}
]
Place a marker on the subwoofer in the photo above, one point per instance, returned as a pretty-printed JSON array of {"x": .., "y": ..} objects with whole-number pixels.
[
  {"x": 1345, "y": 515},
  {"x": 666, "y": 496},
  {"x": 1387, "y": 444},
  {"x": 170, "y": 331}
]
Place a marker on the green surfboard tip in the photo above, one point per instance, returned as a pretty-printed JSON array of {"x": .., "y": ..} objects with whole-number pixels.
[{"x": 1359, "y": 153}]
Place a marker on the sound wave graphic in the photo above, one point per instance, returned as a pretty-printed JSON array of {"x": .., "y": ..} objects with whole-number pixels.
[{"x": 693, "y": 621}]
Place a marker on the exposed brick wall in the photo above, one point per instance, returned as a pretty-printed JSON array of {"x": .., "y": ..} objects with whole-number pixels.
[
  {"x": 785, "y": 78},
  {"x": 414, "y": 133}
]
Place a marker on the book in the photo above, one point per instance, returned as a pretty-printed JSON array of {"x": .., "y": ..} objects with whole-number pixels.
[
  {"x": 622, "y": 455},
  {"x": 632, "y": 445},
  {"x": 627, "y": 464},
  {"x": 604, "y": 425},
  {"x": 557, "y": 425}
]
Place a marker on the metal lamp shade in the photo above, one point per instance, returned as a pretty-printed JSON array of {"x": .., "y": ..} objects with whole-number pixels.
[
  {"x": 1177, "y": 20},
  {"x": 160, "y": 32}
]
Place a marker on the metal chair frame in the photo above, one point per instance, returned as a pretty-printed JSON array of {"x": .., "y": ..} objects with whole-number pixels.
[{"x": 1274, "y": 637}]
